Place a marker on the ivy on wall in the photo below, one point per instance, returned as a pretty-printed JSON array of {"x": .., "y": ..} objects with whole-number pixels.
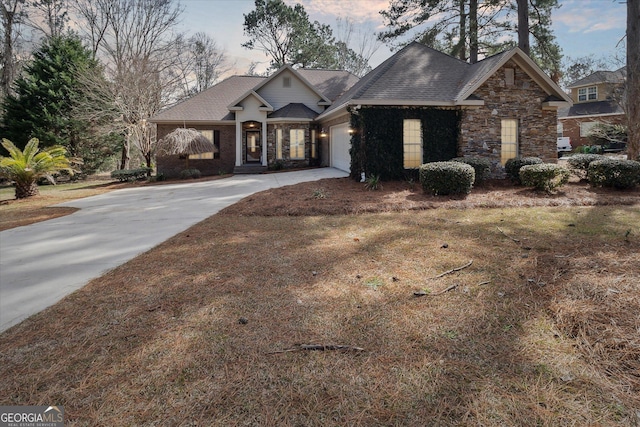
[{"x": 376, "y": 145}]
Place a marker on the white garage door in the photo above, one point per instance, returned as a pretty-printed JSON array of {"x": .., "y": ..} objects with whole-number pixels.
[{"x": 340, "y": 145}]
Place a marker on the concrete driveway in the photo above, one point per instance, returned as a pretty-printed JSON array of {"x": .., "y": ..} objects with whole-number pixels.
[{"x": 43, "y": 262}]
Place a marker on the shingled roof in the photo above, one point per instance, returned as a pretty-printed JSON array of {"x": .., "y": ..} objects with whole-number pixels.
[
  {"x": 591, "y": 109},
  {"x": 420, "y": 75},
  {"x": 416, "y": 72},
  {"x": 210, "y": 104},
  {"x": 596, "y": 77},
  {"x": 294, "y": 110},
  {"x": 213, "y": 103}
]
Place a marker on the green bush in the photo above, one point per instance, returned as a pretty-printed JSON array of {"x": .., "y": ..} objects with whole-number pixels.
[
  {"x": 544, "y": 176},
  {"x": 441, "y": 178},
  {"x": 373, "y": 183},
  {"x": 129, "y": 175},
  {"x": 579, "y": 163},
  {"x": 615, "y": 173},
  {"x": 481, "y": 166},
  {"x": 190, "y": 173},
  {"x": 512, "y": 166},
  {"x": 589, "y": 149}
]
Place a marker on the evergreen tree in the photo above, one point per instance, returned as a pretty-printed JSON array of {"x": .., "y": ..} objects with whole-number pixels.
[{"x": 43, "y": 104}]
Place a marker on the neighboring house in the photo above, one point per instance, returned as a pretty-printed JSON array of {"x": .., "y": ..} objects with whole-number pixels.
[
  {"x": 596, "y": 99},
  {"x": 419, "y": 105}
]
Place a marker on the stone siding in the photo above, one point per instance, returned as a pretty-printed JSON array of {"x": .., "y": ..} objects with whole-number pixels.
[
  {"x": 481, "y": 127},
  {"x": 286, "y": 162},
  {"x": 171, "y": 166}
]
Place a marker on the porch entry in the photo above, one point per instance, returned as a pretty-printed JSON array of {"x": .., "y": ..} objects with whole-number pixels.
[{"x": 253, "y": 146}]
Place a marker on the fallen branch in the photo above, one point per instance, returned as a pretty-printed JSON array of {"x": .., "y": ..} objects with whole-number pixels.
[
  {"x": 318, "y": 347},
  {"x": 449, "y": 288},
  {"x": 453, "y": 270},
  {"x": 506, "y": 235}
]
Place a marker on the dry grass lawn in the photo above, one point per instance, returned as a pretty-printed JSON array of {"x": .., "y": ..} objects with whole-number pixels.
[{"x": 542, "y": 329}]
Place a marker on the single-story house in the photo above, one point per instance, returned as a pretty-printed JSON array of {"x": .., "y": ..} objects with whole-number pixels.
[
  {"x": 256, "y": 122},
  {"x": 419, "y": 105},
  {"x": 596, "y": 99}
]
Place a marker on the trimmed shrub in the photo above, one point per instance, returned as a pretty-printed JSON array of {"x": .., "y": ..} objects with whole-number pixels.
[
  {"x": 128, "y": 175},
  {"x": 190, "y": 173},
  {"x": 579, "y": 163},
  {"x": 545, "y": 176},
  {"x": 442, "y": 178},
  {"x": 615, "y": 173},
  {"x": 512, "y": 166},
  {"x": 481, "y": 166}
]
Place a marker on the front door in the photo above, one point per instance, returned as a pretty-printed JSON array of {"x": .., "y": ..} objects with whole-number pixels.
[{"x": 253, "y": 147}]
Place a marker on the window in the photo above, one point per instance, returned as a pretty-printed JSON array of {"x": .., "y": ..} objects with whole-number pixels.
[
  {"x": 279, "y": 144},
  {"x": 560, "y": 131},
  {"x": 588, "y": 93},
  {"x": 412, "y": 143},
  {"x": 296, "y": 144},
  {"x": 509, "y": 140},
  {"x": 212, "y": 136},
  {"x": 585, "y": 128},
  {"x": 286, "y": 82},
  {"x": 314, "y": 145}
]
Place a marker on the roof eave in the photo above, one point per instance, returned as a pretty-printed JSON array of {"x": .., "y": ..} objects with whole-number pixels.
[
  {"x": 289, "y": 119},
  {"x": 191, "y": 121},
  {"x": 554, "y": 105},
  {"x": 336, "y": 112},
  {"x": 586, "y": 116},
  {"x": 471, "y": 103},
  {"x": 404, "y": 102},
  {"x": 235, "y": 107}
]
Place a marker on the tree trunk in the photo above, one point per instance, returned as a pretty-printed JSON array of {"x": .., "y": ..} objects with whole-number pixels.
[
  {"x": 633, "y": 79},
  {"x": 523, "y": 26},
  {"x": 124, "y": 160},
  {"x": 8, "y": 66},
  {"x": 462, "y": 43},
  {"x": 147, "y": 158},
  {"x": 473, "y": 31},
  {"x": 26, "y": 189}
]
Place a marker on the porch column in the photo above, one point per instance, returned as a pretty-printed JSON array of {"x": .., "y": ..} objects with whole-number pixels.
[
  {"x": 238, "y": 143},
  {"x": 264, "y": 142}
]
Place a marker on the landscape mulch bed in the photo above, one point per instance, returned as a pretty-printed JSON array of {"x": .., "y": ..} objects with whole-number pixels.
[
  {"x": 346, "y": 196},
  {"x": 324, "y": 304}
]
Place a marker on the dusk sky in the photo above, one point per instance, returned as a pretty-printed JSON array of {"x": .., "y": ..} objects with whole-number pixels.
[{"x": 582, "y": 27}]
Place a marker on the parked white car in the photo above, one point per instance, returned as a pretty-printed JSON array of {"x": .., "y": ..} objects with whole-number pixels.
[{"x": 564, "y": 145}]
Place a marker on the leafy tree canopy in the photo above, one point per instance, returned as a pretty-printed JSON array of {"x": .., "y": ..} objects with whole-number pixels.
[{"x": 287, "y": 36}]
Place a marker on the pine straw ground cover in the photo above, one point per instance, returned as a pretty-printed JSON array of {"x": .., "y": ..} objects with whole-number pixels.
[{"x": 542, "y": 328}]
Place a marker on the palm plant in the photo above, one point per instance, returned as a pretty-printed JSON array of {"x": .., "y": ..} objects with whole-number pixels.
[{"x": 26, "y": 167}]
